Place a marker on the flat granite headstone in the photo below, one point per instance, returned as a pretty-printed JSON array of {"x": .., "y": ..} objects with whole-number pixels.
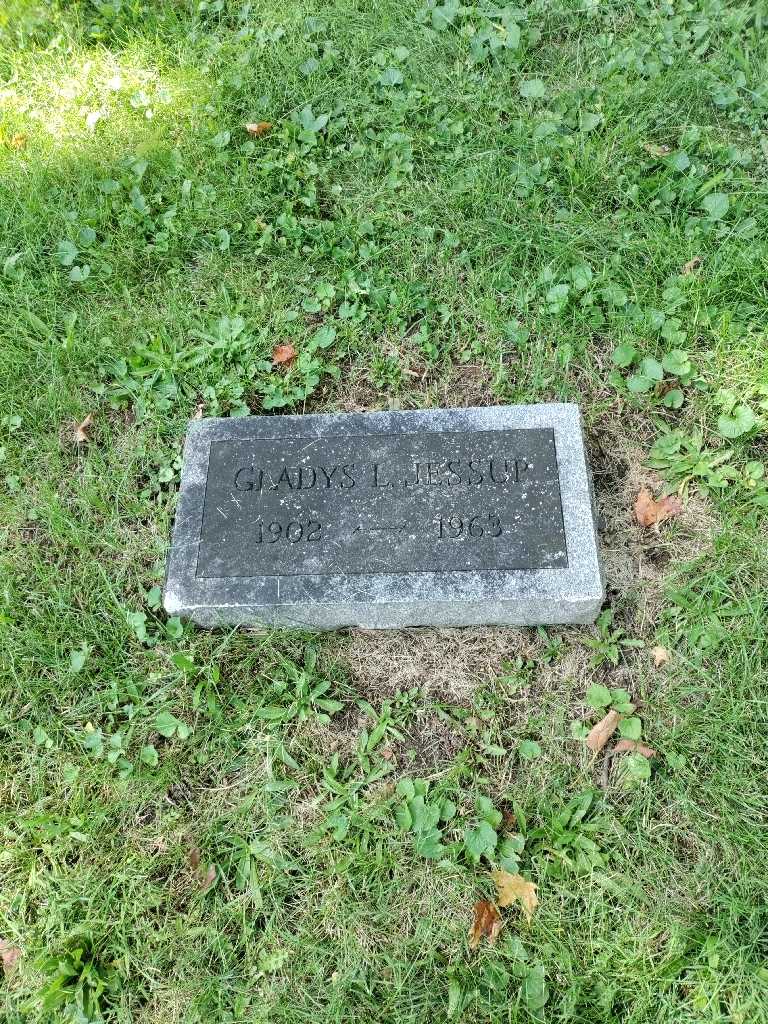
[{"x": 444, "y": 517}]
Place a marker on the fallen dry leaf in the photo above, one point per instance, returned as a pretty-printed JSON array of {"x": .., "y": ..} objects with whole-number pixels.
[
  {"x": 691, "y": 265},
  {"x": 83, "y": 430},
  {"x": 258, "y": 128},
  {"x": 654, "y": 150},
  {"x": 600, "y": 734},
  {"x": 487, "y": 922},
  {"x": 515, "y": 889},
  {"x": 203, "y": 878},
  {"x": 509, "y": 819},
  {"x": 649, "y": 512},
  {"x": 198, "y": 414},
  {"x": 660, "y": 656},
  {"x": 633, "y": 747},
  {"x": 283, "y": 354},
  {"x": 17, "y": 141},
  {"x": 9, "y": 956}
]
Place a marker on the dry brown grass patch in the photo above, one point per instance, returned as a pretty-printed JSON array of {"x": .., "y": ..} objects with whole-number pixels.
[{"x": 446, "y": 664}]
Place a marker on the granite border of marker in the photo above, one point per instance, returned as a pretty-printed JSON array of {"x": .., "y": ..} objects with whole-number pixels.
[{"x": 392, "y": 600}]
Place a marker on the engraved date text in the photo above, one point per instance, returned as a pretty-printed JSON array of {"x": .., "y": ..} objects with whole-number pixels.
[
  {"x": 464, "y": 527},
  {"x": 293, "y": 531}
]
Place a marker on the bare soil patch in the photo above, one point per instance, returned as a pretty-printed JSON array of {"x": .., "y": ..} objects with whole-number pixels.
[
  {"x": 430, "y": 744},
  {"x": 637, "y": 560}
]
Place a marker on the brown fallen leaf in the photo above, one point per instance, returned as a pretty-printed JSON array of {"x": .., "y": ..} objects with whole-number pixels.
[
  {"x": 600, "y": 734},
  {"x": 486, "y": 923},
  {"x": 9, "y": 956},
  {"x": 633, "y": 747},
  {"x": 204, "y": 878},
  {"x": 515, "y": 889},
  {"x": 649, "y": 511},
  {"x": 691, "y": 265},
  {"x": 83, "y": 430},
  {"x": 655, "y": 150},
  {"x": 508, "y": 819},
  {"x": 660, "y": 656},
  {"x": 258, "y": 128},
  {"x": 283, "y": 354}
]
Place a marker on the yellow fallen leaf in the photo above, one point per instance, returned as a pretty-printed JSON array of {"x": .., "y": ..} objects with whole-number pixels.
[
  {"x": 515, "y": 889},
  {"x": 258, "y": 128},
  {"x": 660, "y": 656},
  {"x": 486, "y": 922},
  {"x": 9, "y": 956},
  {"x": 83, "y": 430},
  {"x": 600, "y": 734},
  {"x": 691, "y": 265}
]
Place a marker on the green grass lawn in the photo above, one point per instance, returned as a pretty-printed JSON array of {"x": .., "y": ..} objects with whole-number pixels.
[{"x": 451, "y": 205}]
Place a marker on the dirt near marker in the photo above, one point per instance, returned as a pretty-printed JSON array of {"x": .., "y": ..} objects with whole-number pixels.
[
  {"x": 446, "y": 663},
  {"x": 429, "y": 744},
  {"x": 636, "y": 562}
]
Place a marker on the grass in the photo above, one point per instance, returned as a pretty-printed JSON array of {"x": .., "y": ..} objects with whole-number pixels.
[{"x": 453, "y": 205}]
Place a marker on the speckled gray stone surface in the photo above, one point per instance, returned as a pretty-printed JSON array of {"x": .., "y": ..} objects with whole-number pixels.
[{"x": 382, "y": 520}]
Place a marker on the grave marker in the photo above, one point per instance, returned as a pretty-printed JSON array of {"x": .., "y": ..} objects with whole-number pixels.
[{"x": 438, "y": 517}]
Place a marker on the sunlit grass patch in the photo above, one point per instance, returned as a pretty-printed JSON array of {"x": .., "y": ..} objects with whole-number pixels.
[{"x": 88, "y": 100}]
